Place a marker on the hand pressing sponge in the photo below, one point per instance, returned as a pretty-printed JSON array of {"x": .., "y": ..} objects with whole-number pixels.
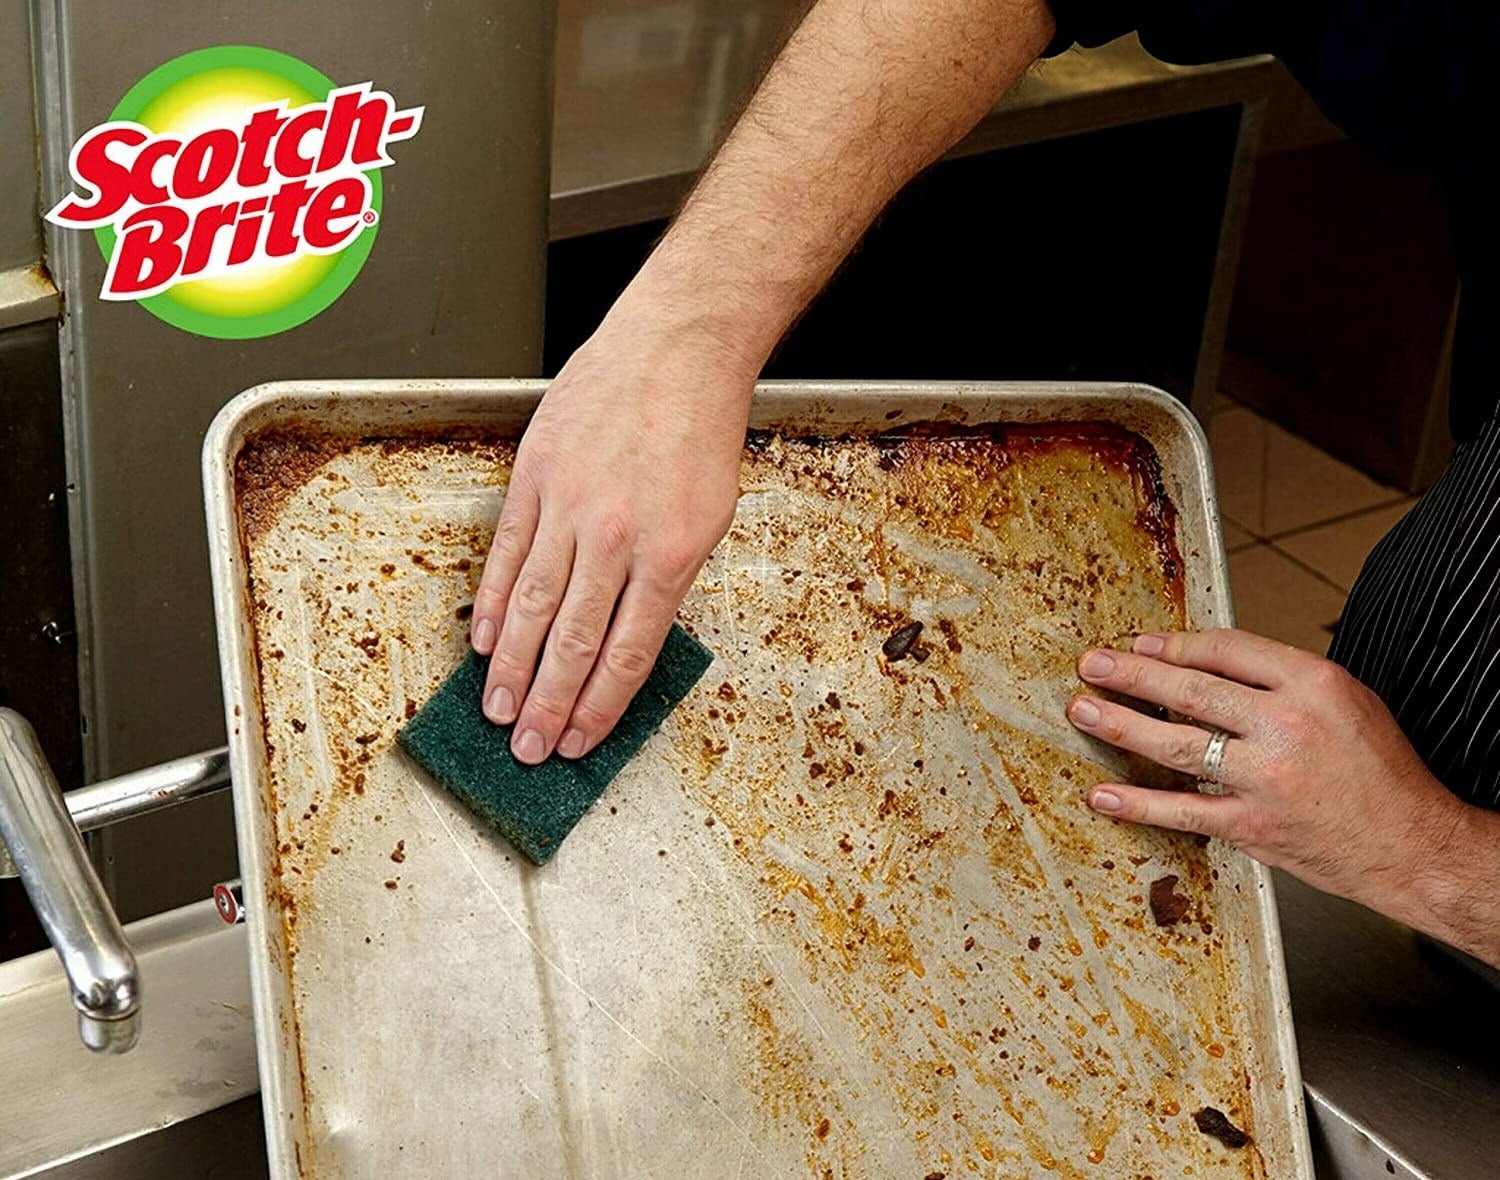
[{"x": 535, "y": 807}]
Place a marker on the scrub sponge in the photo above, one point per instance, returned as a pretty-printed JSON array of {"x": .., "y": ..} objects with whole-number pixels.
[{"x": 535, "y": 807}]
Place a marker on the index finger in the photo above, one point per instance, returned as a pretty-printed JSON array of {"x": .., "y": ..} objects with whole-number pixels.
[
  {"x": 1250, "y": 659},
  {"x": 519, "y": 515}
]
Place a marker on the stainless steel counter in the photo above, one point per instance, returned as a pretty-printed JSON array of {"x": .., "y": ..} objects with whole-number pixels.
[
  {"x": 644, "y": 90},
  {"x": 1398, "y": 1044}
]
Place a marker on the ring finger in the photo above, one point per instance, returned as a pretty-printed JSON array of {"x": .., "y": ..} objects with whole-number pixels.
[
  {"x": 1177, "y": 747},
  {"x": 533, "y": 604}
]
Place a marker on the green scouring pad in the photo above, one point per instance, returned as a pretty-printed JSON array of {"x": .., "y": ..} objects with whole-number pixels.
[{"x": 535, "y": 807}]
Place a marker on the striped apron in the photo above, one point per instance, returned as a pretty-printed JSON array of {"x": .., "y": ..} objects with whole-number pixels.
[{"x": 1422, "y": 624}]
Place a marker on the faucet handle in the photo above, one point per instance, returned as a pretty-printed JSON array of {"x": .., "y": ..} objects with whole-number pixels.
[
  {"x": 47, "y": 851},
  {"x": 229, "y": 900}
]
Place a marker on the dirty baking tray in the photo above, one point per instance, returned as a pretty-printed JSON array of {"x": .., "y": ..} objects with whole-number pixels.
[{"x": 842, "y": 917}]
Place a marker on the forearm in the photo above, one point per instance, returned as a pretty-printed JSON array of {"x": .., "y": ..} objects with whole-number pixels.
[
  {"x": 865, "y": 95},
  {"x": 1451, "y": 891},
  {"x": 629, "y": 471}
]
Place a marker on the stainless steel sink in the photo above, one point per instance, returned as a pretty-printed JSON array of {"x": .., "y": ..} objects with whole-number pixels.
[
  {"x": 181, "y": 1104},
  {"x": 224, "y": 1144}
]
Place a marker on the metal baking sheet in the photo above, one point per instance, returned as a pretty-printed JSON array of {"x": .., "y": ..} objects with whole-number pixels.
[{"x": 842, "y": 917}]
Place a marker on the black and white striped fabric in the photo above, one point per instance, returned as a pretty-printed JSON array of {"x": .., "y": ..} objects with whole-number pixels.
[{"x": 1422, "y": 624}]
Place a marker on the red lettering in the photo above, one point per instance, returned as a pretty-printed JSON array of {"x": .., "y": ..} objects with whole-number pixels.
[
  {"x": 339, "y": 201},
  {"x": 281, "y": 233},
  {"x": 363, "y": 121},
  {"x": 146, "y": 254},
  {"x": 93, "y": 168},
  {"x": 206, "y": 226},
  {"x": 246, "y": 234},
  {"x": 255, "y": 168},
  {"x": 165, "y": 194},
  {"x": 205, "y": 163},
  {"x": 144, "y": 186},
  {"x": 289, "y": 159}
]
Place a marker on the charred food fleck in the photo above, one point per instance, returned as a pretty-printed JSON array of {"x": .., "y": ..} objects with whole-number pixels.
[
  {"x": 1168, "y": 906},
  {"x": 1214, "y": 1122},
  {"x": 899, "y": 645}
]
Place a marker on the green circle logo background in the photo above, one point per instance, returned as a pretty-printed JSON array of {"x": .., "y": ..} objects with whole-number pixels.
[{"x": 275, "y": 297}]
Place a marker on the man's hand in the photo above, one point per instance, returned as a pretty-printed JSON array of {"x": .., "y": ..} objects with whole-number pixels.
[
  {"x": 626, "y": 479},
  {"x": 1317, "y": 777}
]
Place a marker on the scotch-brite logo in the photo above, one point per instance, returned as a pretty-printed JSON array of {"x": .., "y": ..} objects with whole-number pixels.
[{"x": 235, "y": 191}]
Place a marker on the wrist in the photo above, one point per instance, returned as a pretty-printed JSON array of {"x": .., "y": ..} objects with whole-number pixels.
[
  {"x": 709, "y": 306},
  {"x": 1450, "y": 894}
]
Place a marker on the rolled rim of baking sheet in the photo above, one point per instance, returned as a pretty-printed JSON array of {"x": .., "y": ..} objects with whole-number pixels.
[{"x": 361, "y": 406}]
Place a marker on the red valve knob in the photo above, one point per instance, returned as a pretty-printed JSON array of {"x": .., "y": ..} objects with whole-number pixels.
[{"x": 230, "y": 902}]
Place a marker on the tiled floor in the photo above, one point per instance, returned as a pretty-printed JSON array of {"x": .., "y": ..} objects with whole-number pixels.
[{"x": 1297, "y": 523}]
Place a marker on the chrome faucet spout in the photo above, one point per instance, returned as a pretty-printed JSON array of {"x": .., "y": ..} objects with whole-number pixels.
[{"x": 49, "y": 857}]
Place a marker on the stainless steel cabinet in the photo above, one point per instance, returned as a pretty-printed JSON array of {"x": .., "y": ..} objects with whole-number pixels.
[{"x": 453, "y": 286}]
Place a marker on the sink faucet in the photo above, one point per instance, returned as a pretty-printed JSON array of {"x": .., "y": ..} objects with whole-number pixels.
[
  {"x": 41, "y": 842},
  {"x": 48, "y": 854}
]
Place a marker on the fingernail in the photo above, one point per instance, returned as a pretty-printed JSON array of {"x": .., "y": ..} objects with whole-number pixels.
[
  {"x": 571, "y": 745},
  {"x": 529, "y": 746},
  {"x": 501, "y": 707},
  {"x": 1085, "y": 712},
  {"x": 1098, "y": 664},
  {"x": 484, "y": 637},
  {"x": 1150, "y": 645},
  {"x": 1104, "y": 801}
]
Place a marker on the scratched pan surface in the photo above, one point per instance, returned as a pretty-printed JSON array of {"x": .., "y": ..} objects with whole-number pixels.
[{"x": 842, "y": 917}]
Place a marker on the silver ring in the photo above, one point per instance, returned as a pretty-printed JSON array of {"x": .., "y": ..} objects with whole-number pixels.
[{"x": 1213, "y": 756}]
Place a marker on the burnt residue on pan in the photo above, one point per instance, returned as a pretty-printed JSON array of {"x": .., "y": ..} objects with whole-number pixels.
[
  {"x": 900, "y": 643},
  {"x": 909, "y": 836},
  {"x": 277, "y": 467},
  {"x": 1120, "y": 450},
  {"x": 1212, "y": 1121},
  {"x": 1168, "y": 907},
  {"x": 273, "y": 464},
  {"x": 854, "y": 822},
  {"x": 276, "y": 461}
]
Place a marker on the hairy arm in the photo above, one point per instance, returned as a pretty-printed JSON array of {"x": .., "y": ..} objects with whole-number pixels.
[
  {"x": 865, "y": 95},
  {"x": 1451, "y": 895},
  {"x": 627, "y": 476}
]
